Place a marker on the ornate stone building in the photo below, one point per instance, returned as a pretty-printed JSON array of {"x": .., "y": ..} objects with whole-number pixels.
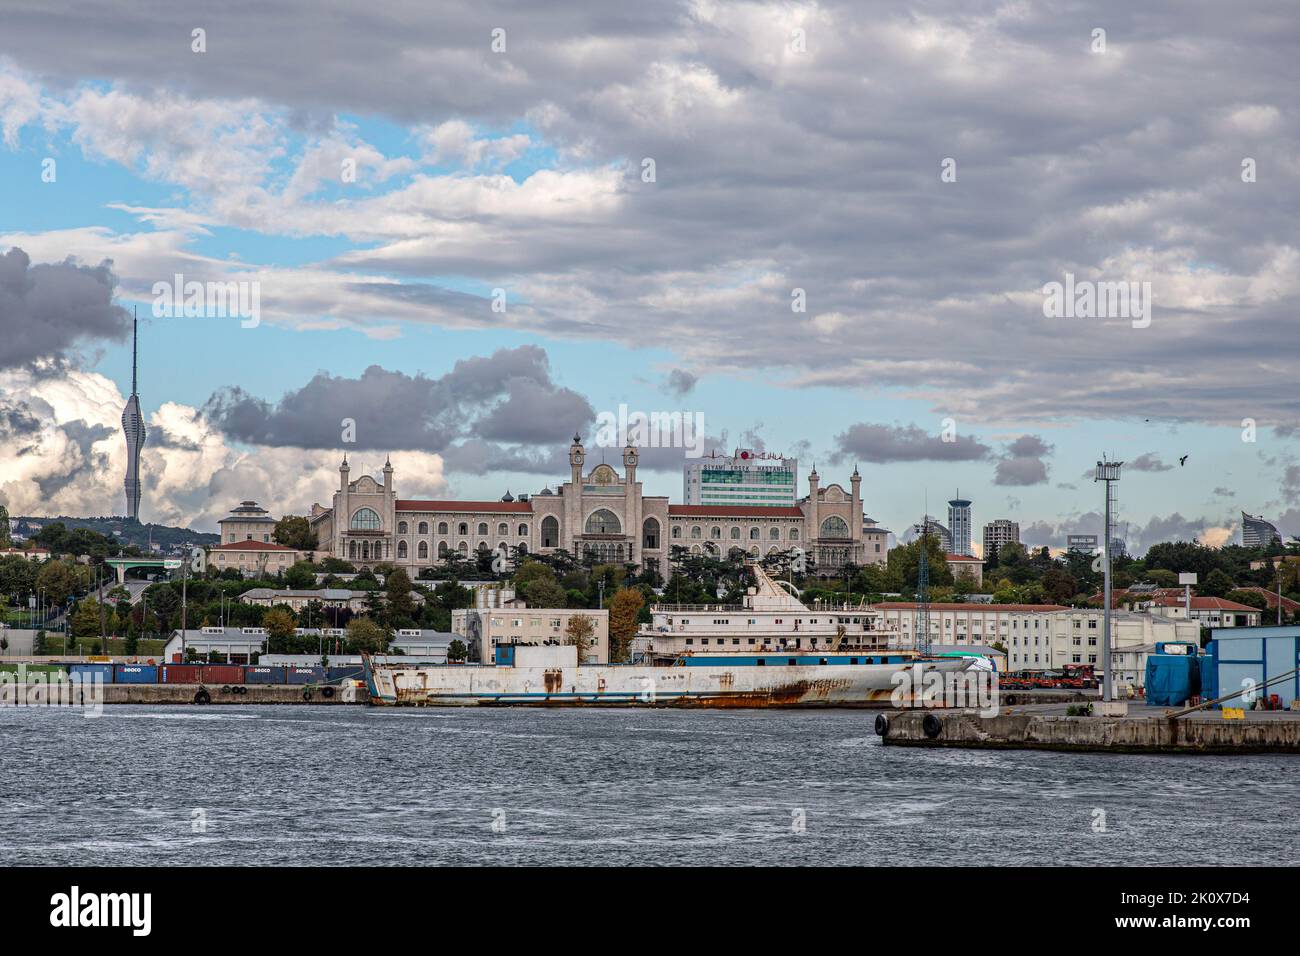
[{"x": 596, "y": 512}]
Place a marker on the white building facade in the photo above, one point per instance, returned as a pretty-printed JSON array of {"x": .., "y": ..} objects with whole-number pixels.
[{"x": 598, "y": 513}]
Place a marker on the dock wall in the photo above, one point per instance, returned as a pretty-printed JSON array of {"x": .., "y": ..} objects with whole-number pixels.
[{"x": 1092, "y": 734}]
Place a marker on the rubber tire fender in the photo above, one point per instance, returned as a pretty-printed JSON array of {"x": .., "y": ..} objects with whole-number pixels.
[
  {"x": 203, "y": 697},
  {"x": 327, "y": 692},
  {"x": 306, "y": 695},
  {"x": 932, "y": 726},
  {"x": 882, "y": 725}
]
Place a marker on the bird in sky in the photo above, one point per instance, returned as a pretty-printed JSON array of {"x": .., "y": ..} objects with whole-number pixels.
[{"x": 1182, "y": 461}]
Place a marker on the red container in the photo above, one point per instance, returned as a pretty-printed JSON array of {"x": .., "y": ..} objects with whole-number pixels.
[
  {"x": 223, "y": 673},
  {"x": 182, "y": 673}
]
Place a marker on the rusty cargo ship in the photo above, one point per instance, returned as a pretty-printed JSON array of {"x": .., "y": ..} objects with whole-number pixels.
[
  {"x": 771, "y": 650},
  {"x": 550, "y": 676}
]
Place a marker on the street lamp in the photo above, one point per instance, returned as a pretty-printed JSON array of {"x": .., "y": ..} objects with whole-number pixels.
[{"x": 1108, "y": 472}]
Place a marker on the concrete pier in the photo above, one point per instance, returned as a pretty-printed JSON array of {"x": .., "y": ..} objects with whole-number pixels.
[{"x": 1144, "y": 730}]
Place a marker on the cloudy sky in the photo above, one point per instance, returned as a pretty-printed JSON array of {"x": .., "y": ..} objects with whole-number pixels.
[{"x": 473, "y": 227}]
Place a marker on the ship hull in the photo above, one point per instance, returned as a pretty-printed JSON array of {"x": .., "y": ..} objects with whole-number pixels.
[{"x": 798, "y": 686}]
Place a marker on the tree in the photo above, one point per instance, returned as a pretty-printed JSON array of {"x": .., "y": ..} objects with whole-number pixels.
[
  {"x": 62, "y": 579},
  {"x": 365, "y": 636},
  {"x": 1059, "y": 586},
  {"x": 294, "y": 531},
  {"x": 38, "y": 643},
  {"x": 623, "y": 624},
  {"x": 456, "y": 651},
  {"x": 579, "y": 633},
  {"x": 1162, "y": 577},
  {"x": 904, "y": 559},
  {"x": 1216, "y": 584},
  {"x": 279, "y": 624},
  {"x": 17, "y": 575},
  {"x": 85, "y": 620},
  {"x": 400, "y": 610},
  {"x": 301, "y": 575}
]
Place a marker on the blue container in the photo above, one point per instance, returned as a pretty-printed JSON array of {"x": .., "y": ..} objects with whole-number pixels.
[
  {"x": 1210, "y": 672},
  {"x": 304, "y": 675},
  {"x": 346, "y": 672},
  {"x": 135, "y": 674},
  {"x": 92, "y": 672},
  {"x": 1171, "y": 679},
  {"x": 257, "y": 674}
]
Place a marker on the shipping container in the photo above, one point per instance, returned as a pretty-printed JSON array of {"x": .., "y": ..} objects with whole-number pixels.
[
  {"x": 304, "y": 675},
  {"x": 182, "y": 673},
  {"x": 349, "y": 672},
  {"x": 58, "y": 670},
  {"x": 135, "y": 674},
  {"x": 223, "y": 674},
  {"x": 91, "y": 672},
  {"x": 263, "y": 675}
]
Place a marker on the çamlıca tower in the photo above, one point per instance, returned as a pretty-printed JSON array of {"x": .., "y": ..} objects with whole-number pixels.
[{"x": 133, "y": 427}]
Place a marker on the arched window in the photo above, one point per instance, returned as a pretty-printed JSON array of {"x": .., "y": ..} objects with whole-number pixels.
[
  {"x": 835, "y": 527},
  {"x": 523, "y": 531},
  {"x": 424, "y": 527},
  {"x": 650, "y": 534},
  {"x": 677, "y": 531},
  {"x": 482, "y": 527},
  {"x": 523, "y": 548},
  {"x": 365, "y": 519},
  {"x": 735, "y": 534},
  {"x": 794, "y": 534},
  {"x": 365, "y": 550},
  {"x": 352, "y": 549},
  {"x": 463, "y": 548},
  {"x": 442, "y": 527},
  {"x": 754, "y": 534},
  {"x": 401, "y": 550},
  {"x": 603, "y": 521},
  {"x": 695, "y": 549},
  {"x": 402, "y": 527},
  {"x": 442, "y": 548},
  {"x": 423, "y": 551},
  {"x": 462, "y": 528},
  {"x": 550, "y": 532},
  {"x": 710, "y": 549},
  {"x": 775, "y": 533},
  {"x": 734, "y": 553},
  {"x": 753, "y": 552},
  {"x": 695, "y": 531},
  {"x": 503, "y": 529},
  {"x": 715, "y": 533}
]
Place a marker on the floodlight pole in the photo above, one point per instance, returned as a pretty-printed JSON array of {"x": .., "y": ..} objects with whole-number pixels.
[{"x": 1108, "y": 472}]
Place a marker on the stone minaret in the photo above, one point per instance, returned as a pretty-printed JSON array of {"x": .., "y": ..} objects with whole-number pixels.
[
  {"x": 814, "y": 518},
  {"x": 855, "y": 523},
  {"x": 572, "y": 524},
  {"x": 634, "y": 504},
  {"x": 133, "y": 428},
  {"x": 390, "y": 510},
  {"x": 341, "y": 511}
]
